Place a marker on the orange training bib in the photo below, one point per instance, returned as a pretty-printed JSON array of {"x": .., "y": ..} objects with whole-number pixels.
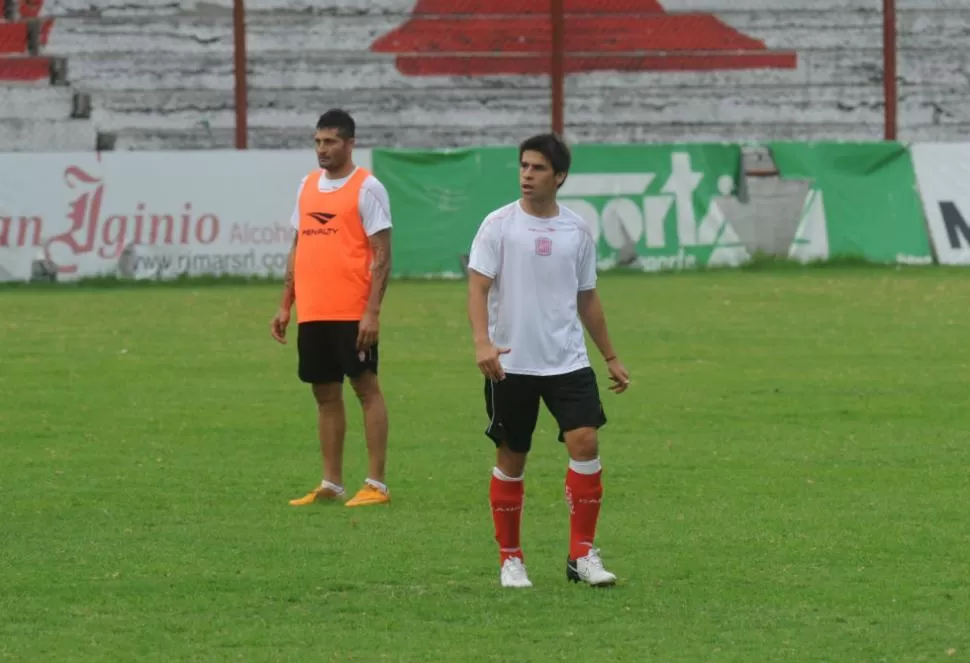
[{"x": 333, "y": 254}]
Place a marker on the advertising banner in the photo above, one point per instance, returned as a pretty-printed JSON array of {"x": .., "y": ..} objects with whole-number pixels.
[
  {"x": 863, "y": 201},
  {"x": 943, "y": 173},
  {"x": 438, "y": 199},
  {"x": 152, "y": 215},
  {"x": 651, "y": 207},
  {"x": 162, "y": 215}
]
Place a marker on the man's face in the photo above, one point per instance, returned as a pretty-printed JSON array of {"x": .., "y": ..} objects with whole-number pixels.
[
  {"x": 332, "y": 150},
  {"x": 536, "y": 179}
]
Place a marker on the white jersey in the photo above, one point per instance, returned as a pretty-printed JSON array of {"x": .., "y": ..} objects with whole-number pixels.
[
  {"x": 373, "y": 202},
  {"x": 539, "y": 266}
]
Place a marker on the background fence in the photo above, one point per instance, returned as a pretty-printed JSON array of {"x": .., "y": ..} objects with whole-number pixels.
[{"x": 178, "y": 74}]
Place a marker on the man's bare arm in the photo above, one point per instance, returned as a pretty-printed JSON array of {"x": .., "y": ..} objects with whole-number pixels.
[
  {"x": 478, "y": 287},
  {"x": 289, "y": 287},
  {"x": 594, "y": 319},
  {"x": 282, "y": 318},
  {"x": 380, "y": 269},
  {"x": 486, "y": 354}
]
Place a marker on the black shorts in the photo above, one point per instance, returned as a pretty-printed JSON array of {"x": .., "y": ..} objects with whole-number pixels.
[
  {"x": 328, "y": 351},
  {"x": 512, "y": 405}
]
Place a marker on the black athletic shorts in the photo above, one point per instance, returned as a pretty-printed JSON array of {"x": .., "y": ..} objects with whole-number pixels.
[
  {"x": 512, "y": 405},
  {"x": 328, "y": 351}
]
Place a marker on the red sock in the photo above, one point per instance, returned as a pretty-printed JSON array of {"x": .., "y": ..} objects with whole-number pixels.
[
  {"x": 584, "y": 492},
  {"x": 506, "y": 498}
]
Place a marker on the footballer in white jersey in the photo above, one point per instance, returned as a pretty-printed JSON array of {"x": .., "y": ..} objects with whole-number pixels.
[{"x": 531, "y": 293}]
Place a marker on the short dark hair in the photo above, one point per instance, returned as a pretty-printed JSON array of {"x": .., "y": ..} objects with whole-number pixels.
[
  {"x": 552, "y": 147},
  {"x": 338, "y": 119}
]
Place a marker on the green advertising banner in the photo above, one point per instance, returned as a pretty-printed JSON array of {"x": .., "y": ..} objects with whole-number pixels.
[
  {"x": 650, "y": 207},
  {"x": 438, "y": 199},
  {"x": 654, "y": 207},
  {"x": 863, "y": 202},
  {"x": 663, "y": 207}
]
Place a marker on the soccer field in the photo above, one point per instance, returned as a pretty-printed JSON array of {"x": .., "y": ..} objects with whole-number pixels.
[{"x": 786, "y": 479}]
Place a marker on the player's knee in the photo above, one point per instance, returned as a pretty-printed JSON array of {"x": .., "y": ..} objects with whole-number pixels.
[
  {"x": 582, "y": 443},
  {"x": 511, "y": 463},
  {"x": 328, "y": 393},
  {"x": 366, "y": 388}
]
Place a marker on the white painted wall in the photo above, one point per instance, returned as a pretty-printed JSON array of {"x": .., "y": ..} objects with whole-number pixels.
[{"x": 160, "y": 73}]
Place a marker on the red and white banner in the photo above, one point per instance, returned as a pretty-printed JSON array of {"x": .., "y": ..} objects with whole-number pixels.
[{"x": 150, "y": 215}]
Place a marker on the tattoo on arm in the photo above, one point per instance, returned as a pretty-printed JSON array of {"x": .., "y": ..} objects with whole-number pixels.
[
  {"x": 289, "y": 280},
  {"x": 380, "y": 267}
]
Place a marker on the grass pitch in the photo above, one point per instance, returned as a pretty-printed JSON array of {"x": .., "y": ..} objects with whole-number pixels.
[{"x": 787, "y": 479}]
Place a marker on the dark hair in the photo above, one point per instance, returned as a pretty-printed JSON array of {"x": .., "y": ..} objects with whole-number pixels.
[
  {"x": 340, "y": 120},
  {"x": 552, "y": 147}
]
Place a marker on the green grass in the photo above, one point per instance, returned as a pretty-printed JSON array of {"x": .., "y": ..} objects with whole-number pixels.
[{"x": 787, "y": 480}]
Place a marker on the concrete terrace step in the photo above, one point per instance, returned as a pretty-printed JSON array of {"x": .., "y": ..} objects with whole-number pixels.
[
  {"x": 26, "y": 68},
  {"x": 13, "y": 37},
  {"x": 36, "y": 102},
  {"x": 19, "y": 135},
  {"x": 25, "y": 36}
]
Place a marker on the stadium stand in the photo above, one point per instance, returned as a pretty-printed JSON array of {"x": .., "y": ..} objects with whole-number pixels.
[
  {"x": 39, "y": 110},
  {"x": 158, "y": 74}
]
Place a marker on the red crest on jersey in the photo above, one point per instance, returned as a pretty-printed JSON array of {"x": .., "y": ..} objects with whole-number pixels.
[{"x": 543, "y": 246}]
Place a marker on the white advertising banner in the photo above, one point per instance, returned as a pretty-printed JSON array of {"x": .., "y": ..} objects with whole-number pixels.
[
  {"x": 943, "y": 177},
  {"x": 150, "y": 214}
]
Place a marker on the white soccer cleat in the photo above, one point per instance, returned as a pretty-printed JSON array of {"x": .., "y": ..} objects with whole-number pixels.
[
  {"x": 589, "y": 569},
  {"x": 513, "y": 573}
]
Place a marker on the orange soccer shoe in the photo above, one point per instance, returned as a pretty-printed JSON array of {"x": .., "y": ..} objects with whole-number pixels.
[
  {"x": 318, "y": 494},
  {"x": 369, "y": 495}
]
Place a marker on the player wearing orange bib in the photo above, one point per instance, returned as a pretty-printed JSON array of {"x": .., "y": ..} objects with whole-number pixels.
[{"x": 337, "y": 275}]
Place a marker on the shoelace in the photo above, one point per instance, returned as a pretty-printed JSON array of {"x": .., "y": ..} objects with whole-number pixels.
[
  {"x": 515, "y": 566},
  {"x": 594, "y": 558}
]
